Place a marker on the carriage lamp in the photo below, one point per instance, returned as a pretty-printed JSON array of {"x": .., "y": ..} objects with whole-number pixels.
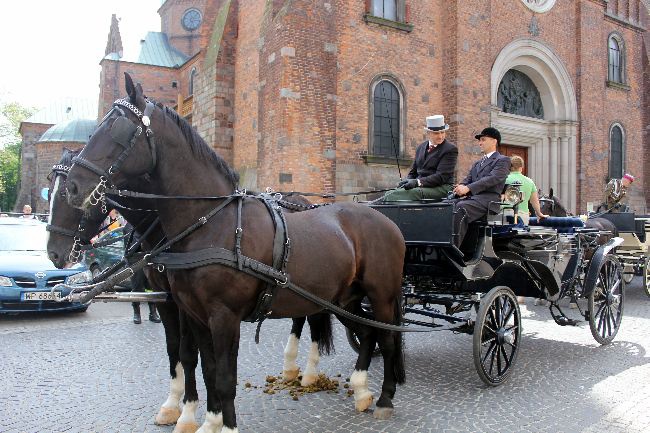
[
  {"x": 81, "y": 277},
  {"x": 513, "y": 195}
]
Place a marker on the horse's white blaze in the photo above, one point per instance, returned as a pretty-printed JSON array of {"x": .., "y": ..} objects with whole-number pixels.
[
  {"x": 291, "y": 353},
  {"x": 213, "y": 423},
  {"x": 359, "y": 382},
  {"x": 188, "y": 416},
  {"x": 311, "y": 370},
  {"x": 55, "y": 189},
  {"x": 176, "y": 388}
]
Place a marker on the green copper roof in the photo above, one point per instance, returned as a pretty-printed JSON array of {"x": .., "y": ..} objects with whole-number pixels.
[
  {"x": 65, "y": 109},
  {"x": 155, "y": 50},
  {"x": 77, "y": 130}
]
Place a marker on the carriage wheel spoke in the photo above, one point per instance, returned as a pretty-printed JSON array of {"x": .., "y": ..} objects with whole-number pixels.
[
  {"x": 488, "y": 352},
  {"x": 505, "y": 358},
  {"x": 601, "y": 306},
  {"x": 494, "y": 352},
  {"x": 509, "y": 316},
  {"x": 498, "y": 353}
]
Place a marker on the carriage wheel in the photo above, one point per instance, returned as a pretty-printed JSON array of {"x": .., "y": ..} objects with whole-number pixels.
[
  {"x": 646, "y": 276},
  {"x": 606, "y": 301},
  {"x": 497, "y": 333}
]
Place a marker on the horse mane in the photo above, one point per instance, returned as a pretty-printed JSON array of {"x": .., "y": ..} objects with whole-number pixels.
[
  {"x": 198, "y": 145},
  {"x": 68, "y": 154}
]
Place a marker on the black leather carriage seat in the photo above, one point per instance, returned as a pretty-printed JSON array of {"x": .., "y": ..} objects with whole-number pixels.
[{"x": 561, "y": 224}]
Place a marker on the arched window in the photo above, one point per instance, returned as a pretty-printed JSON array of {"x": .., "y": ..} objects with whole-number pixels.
[
  {"x": 385, "y": 9},
  {"x": 616, "y": 59},
  {"x": 616, "y": 152},
  {"x": 386, "y": 124},
  {"x": 191, "y": 86}
]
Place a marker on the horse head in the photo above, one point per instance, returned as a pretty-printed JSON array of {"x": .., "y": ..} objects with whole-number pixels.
[
  {"x": 122, "y": 147},
  {"x": 69, "y": 229},
  {"x": 550, "y": 205}
]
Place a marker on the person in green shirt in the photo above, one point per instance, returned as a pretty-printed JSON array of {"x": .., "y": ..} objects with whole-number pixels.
[{"x": 528, "y": 189}]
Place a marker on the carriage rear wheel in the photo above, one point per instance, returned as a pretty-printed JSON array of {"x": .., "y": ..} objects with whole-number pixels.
[
  {"x": 646, "y": 276},
  {"x": 497, "y": 334},
  {"x": 606, "y": 301}
]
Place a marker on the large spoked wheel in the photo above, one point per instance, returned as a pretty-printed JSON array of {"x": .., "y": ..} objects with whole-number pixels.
[
  {"x": 606, "y": 301},
  {"x": 497, "y": 334},
  {"x": 646, "y": 276}
]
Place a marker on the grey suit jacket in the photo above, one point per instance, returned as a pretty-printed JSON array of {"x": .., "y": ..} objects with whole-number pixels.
[{"x": 486, "y": 182}]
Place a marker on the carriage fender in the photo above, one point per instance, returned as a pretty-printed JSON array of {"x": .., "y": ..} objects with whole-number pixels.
[
  {"x": 596, "y": 263},
  {"x": 514, "y": 275}
]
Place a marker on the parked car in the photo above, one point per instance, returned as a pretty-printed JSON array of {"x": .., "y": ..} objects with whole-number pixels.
[
  {"x": 26, "y": 273},
  {"x": 103, "y": 257}
]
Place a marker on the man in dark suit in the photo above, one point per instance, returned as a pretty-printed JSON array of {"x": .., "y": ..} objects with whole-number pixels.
[
  {"x": 481, "y": 189},
  {"x": 432, "y": 173}
]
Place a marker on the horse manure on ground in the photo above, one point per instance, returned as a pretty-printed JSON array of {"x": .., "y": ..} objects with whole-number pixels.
[{"x": 275, "y": 384}]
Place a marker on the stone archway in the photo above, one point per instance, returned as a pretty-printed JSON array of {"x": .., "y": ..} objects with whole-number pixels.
[{"x": 551, "y": 141}]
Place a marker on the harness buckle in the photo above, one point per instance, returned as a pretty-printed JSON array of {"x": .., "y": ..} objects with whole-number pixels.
[
  {"x": 149, "y": 132},
  {"x": 203, "y": 220},
  {"x": 160, "y": 268},
  {"x": 281, "y": 283},
  {"x": 112, "y": 169},
  {"x": 277, "y": 196},
  {"x": 238, "y": 230}
]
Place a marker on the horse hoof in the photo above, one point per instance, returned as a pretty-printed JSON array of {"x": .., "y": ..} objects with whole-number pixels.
[
  {"x": 383, "y": 413},
  {"x": 289, "y": 375},
  {"x": 308, "y": 379},
  {"x": 167, "y": 416},
  {"x": 186, "y": 427},
  {"x": 362, "y": 404}
]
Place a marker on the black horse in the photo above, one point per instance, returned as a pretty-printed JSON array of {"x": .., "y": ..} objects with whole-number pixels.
[
  {"x": 340, "y": 253},
  {"x": 64, "y": 224}
]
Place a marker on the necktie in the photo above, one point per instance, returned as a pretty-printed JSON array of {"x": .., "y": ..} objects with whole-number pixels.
[{"x": 483, "y": 160}]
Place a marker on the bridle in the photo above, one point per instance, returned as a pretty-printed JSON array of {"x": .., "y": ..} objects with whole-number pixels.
[
  {"x": 125, "y": 133},
  {"x": 80, "y": 242}
]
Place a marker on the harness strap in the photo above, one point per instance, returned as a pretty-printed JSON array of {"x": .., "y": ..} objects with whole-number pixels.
[
  {"x": 264, "y": 272},
  {"x": 61, "y": 230}
]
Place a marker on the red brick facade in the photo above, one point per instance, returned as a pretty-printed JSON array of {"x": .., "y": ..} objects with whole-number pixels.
[{"x": 284, "y": 87}]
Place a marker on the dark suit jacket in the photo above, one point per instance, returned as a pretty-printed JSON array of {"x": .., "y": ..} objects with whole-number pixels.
[
  {"x": 436, "y": 168},
  {"x": 486, "y": 182}
]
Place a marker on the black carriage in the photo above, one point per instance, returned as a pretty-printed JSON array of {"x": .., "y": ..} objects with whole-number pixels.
[{"x": 473, "y": 289}]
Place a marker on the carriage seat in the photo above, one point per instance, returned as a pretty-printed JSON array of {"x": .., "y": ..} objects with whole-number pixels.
[{"x": 561, "y": 224}]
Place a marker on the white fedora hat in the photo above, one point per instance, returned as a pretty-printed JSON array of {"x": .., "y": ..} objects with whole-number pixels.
[{"x": 436, "y": 123}]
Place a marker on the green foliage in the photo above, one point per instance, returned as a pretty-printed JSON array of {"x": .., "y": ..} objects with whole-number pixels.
[{"x": 11, "y": 114}]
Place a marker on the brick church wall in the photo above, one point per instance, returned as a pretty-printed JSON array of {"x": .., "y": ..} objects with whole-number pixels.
[
  {"x": 28, "y": 192},
  {"x": 49, "y": 154}
]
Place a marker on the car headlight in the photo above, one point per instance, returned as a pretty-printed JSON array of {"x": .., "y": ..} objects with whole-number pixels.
[
  {"x": 6, "y": 282},
  {"x": 81, "y": 277}
]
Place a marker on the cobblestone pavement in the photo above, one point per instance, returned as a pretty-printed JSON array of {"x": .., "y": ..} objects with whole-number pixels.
[{"x": 97, "y": 372}]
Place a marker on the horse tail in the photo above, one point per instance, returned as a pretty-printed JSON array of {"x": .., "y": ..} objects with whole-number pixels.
[
  {"x": 320, "y": 326},
  {"x": 398, "y": 363}
]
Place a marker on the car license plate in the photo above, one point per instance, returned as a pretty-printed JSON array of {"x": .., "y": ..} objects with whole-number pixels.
[{"x": 40, "y": 296}]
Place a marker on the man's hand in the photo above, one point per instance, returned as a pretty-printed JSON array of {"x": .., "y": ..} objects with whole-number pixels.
[
  {"x": 461, "y": 190},
  {"x": 402, "y": 183},
  {"x": 412, "y": 183},
  {"x": 541, "y": 216}
]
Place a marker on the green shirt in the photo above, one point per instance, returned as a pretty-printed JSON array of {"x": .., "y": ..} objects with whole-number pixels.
[{"x": 527, "y": 188}]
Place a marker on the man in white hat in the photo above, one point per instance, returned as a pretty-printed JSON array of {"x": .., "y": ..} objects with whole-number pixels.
[{"x": 432, "y": 173}]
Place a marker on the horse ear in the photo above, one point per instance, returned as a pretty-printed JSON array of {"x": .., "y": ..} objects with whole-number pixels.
[
  {"x": 550, "y": 192},
  {"x": 130, "y": 88},
  {"x": 138, "y": 89}
]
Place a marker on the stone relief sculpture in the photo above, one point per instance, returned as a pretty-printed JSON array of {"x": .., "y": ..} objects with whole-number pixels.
[
  {"x": 539, "y": 6},
  {"x": 517, "y": 94}
]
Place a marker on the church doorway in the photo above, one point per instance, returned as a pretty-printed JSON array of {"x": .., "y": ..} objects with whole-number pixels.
[{"x": 510, "y": 150}]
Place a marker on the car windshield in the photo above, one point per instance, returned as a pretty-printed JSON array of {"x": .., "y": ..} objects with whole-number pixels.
[{"x": 18, "y": 237}]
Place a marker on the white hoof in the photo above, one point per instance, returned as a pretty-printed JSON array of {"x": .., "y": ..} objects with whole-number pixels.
[
  {"x": 362, "y": 403},
  {"x": 289, "y": 375},
  {"x": 167, "y": 416},
  {"x": 383, "y": 413},
  {"x": 308, "y": 379},
  {"x": 186, "y": 427}
]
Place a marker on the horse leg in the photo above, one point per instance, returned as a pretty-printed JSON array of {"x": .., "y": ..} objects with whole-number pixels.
[
  {"x": 291, "y": 370},
  {"x": 189, "y": 354},
  {"x": 170, "y": 409},
  {"x": 391, "y": 346},
  {"x": 224, "y": 329},
  {"x": 359, "y": 380},
  {"x": 320, "y": 327}
]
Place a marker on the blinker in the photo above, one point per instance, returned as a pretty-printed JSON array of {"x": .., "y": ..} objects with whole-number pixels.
[{"x": 123, "y": 130}]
